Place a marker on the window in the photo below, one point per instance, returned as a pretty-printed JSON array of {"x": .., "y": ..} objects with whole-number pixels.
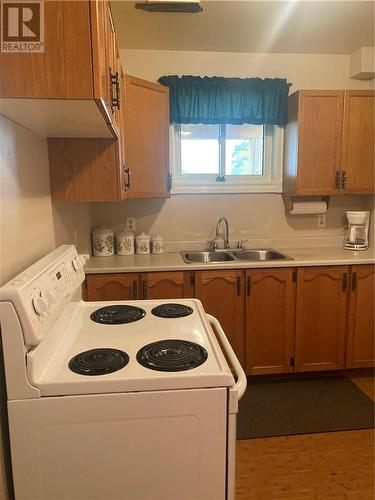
[{"x": 226, "y": 158}]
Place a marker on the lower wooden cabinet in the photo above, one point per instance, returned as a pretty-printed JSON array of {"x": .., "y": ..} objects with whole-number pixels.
[
  {"x": 222, "y": 295},
  {"x": 361, "y": 333},
  {"x": 112, "y": 286},
  {"x": 270, "y": 316},
  {"x": 321, "y": 318},
  {"x": 324, "y": 320},
  {"x": 167, "y": 285}
]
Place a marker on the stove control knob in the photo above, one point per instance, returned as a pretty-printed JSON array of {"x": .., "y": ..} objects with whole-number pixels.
[
  {"x": 77, "y": 264},
  {"x": 40, "y": 306},
  {"x": 49, "y": 296}
]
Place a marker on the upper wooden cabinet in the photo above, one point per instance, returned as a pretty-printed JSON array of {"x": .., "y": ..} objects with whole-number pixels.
[
  {"x": 76, "y": 67},
  {"x": 65, "y": 69},
  {"x": 361, "y": 318},
  {"x": 329, "y": 143},
  {"x": 270, "y": 315},
  {"x": 146, "y": 132},
  {"x": 135, "y": 166},
  {"x": 357, "y": 160}
]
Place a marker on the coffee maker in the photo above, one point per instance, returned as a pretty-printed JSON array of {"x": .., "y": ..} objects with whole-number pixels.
[{"x": 355, "y": 233}]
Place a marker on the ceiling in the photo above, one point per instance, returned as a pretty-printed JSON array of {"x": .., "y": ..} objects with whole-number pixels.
[{"x": 326, "y": 27}]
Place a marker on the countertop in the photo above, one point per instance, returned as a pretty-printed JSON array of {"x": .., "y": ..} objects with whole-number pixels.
[{"x": 172, "y": 261}]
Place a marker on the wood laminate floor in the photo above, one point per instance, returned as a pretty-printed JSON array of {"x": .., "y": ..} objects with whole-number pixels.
[{"x": 327, "y": 466}]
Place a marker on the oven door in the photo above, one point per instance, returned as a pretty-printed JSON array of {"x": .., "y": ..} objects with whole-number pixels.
[{"x": 161, "y": 445}]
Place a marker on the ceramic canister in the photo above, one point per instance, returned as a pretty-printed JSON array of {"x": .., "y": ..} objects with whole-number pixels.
[
  {"x": 142, "y": 244},
  {"x": 102, "y": 242},
  {"x": 125, "y": 243},
  {"x": 157, "y": 244}
]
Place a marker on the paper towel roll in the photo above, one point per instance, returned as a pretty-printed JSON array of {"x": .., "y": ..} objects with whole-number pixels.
[{"x": 308, "y": 207}]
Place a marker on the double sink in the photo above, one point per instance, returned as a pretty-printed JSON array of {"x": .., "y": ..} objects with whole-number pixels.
[{"x": 263, "y": 254}]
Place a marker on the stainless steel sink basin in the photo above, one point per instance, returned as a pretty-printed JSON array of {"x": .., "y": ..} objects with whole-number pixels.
[
  {"x": 190, "y": 257},
  {"x": 262, "y": 254}
]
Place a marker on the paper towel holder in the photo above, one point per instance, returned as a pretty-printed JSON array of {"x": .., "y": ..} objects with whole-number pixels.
[{"x": 289, "y": 200}]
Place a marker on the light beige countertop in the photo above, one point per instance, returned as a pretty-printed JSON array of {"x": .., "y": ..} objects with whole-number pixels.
[{"x": 172, "y": 261}]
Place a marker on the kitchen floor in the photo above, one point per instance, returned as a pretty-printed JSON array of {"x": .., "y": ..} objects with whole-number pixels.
[{"x": 327, "y": 466}]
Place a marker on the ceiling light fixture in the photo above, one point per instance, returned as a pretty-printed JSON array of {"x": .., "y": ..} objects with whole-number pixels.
[{"x": 179, "y": 6}]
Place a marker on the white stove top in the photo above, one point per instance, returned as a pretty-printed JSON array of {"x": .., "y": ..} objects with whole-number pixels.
[{"x": 75, "y": 332}]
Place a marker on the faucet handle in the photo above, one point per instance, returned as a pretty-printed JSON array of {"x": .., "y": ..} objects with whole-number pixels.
[
  {"x": 213, "y": 245},
  {"x": 240, "y": 244}
]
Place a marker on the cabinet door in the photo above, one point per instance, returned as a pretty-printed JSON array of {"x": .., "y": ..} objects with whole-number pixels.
[
  {"x": 358, "y": 142},
  {"x": 361, "y": 318},
  {"x": 84, "y": 169},
  {"x": 101, "y": 48},
  {"x": 270, "y": 316},
  {"x": 319, "y": 141},
  {"x": 322, "y": 295},
  {"x": 222, "y": 295},
  {"x": 167, "y": 285},
  {"x": 147, "y": 138},
  {"x": 64, "y": 69},
  {"x": 112, "y": 286}
]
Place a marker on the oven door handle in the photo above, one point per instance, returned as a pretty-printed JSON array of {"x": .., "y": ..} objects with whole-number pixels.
[{"x": 240, "y": 385}]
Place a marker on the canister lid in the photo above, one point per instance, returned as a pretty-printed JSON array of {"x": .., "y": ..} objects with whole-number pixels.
[
  {"x": 143, "y": 236},
  {"x": 103, "y": 230}
]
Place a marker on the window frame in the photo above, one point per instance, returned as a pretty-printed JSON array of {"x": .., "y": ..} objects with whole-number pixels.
[{"x": 269, "y": 182}]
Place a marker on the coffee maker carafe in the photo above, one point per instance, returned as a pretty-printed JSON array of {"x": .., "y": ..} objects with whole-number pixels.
[{"x": 355, "y": 233}]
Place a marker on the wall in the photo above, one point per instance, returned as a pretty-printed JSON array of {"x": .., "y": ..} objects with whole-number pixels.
[
  {"x": 72, "y": 224},
  {"x": 26, "y": 225},
  {"x": 309, "y": 71},
  {"x": 192, "y": 217}
]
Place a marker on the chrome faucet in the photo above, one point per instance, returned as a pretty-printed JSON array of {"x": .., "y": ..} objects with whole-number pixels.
[{"x": 226, "y": 232}]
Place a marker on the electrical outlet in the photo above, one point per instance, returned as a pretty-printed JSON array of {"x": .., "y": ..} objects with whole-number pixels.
[
  {"x": 130, "y": 223},
  {"x": 321, "y": 220}
]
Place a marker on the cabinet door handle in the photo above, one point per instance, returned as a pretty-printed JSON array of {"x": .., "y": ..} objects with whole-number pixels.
[
  {"x": 239, "y": 285},
  {"x": 343, "y": 179},
  {"x": 127, "y": 178},
  {"x": 115, "y": 90},
  {"x": 144, "y": 290},
  {"x": 344, "y": 282},
  {"x": 135, "y": 289},
  {"x": 354, "y": 281},
  {"x": 248, "y": 286},
  {"x": 338, "y": 179}
]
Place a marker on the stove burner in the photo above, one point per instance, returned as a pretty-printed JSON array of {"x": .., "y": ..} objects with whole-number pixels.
[
  {"x": 117, "y": 314},
  {"x": 98, "y": 361},
  {"x": 172, "y": 355},
  {"x": 172, "y": 311}
]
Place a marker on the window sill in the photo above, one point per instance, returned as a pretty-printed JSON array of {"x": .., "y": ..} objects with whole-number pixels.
[{"x": 223, "y": 188}]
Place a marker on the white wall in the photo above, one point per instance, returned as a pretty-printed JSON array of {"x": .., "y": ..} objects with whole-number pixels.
[
  {"x": 253, "y": 216},
  {"x": 192, "y": 217},
  {"x": 26, "y": 226},
  {"x": 309, "y": 71}
]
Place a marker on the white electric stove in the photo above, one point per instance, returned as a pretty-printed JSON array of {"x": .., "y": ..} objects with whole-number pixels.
[{"x": 124, "y": 400}]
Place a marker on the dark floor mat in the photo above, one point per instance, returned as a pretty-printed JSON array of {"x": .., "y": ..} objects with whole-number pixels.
[{"x": 302, "y": 406}]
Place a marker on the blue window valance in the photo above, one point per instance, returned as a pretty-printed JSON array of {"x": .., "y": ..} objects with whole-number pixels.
[{"x": 212, "y": 100}]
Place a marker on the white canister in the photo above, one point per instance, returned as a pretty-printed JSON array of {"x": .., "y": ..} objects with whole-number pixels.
[
  {"x": 125, "y": 243},
  {"x": 157, "y": 244},
  {"x": 142, "y": 244},
  {"x": 102, "y": 242}
]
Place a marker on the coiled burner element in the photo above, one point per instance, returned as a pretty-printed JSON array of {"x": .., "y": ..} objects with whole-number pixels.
[{"x": 172, "y": 355}]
